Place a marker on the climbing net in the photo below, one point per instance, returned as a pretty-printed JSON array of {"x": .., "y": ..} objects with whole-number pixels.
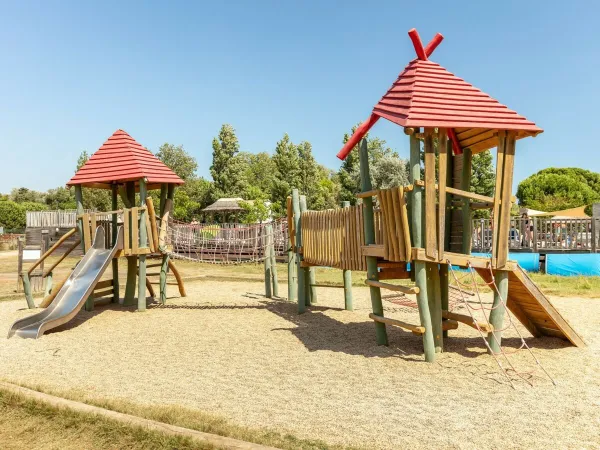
[
  {"x": 226, "y": 243},
  {"x": 476, "y": 308}
]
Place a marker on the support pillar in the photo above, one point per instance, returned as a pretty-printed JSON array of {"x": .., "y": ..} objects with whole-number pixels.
[
  {"x": 309, "y": 272},
  {"x": 419, "y": 268},
  {"x": 435, "y": 305},
  {"x": 131, "y": 260},
  {"x": 467, "y": 223},
  {"x": 168, "y": 192},
  {"x": 267, "y": 256},
  {"x": 273, "y": 266},
  {"x": 445, "y": 292},
  {"x": 143, "y": 244},
  {"x": 299, "y": 269},
  {"x": 115, "y": 232},
  {"x": 372, "y": 272},
  {"x": 498, "y": 310},
  {"x": 347, "y": 274},
  {"x": 291, "y": 270}
]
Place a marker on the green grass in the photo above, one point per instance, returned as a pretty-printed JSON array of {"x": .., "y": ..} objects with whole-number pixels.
[
  {"x": 183, "y": 417},
  {"x": 27, "y": 423}
]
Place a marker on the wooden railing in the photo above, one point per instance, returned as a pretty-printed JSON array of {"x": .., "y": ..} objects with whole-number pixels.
[{"x": 539, "y": 234}]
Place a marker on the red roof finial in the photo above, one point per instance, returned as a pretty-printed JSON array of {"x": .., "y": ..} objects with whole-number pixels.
[{"x": 424, "y": 53}]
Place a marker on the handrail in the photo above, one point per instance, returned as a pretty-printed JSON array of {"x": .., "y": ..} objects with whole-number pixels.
[
  {"x": 64, "y": 255},
  {"x": 51, "y": 250}
]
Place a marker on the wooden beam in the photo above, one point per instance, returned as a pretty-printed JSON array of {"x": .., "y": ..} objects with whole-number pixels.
[
  {"x": 397, "y": 323},
  {"x": 459, "y": 259},
  {"x": 51, "y": 250},
  {"x": 374, "y": 250},
  {"x": 372, "y": 193},
  {"x": 498, "y": 191},
  {"x": 393, "y": 287},
  {"x": 467, "y": 320},
  {"x": 442, "y": 181},
  {"x": 430, "y": 195},
  {"x": 507, "y": 179}
]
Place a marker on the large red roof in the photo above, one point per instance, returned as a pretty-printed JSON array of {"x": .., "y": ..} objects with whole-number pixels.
[
  {"x": 427, "y": 95},
  {"x": 120, "y": 159}
]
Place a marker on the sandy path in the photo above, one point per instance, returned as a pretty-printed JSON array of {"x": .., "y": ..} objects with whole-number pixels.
[{"x": 319, "y": 375}]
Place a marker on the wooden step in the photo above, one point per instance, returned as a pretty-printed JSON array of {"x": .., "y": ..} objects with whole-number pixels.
[
  {"x": 468, "y": 320},
  {"x": 393, "y": 287},
  {"x": 398, "y": 323}
]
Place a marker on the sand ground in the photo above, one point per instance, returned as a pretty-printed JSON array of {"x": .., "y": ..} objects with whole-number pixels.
[{"x": 227, "y": 350}]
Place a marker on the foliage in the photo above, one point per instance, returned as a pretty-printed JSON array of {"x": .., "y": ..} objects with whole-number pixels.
[
  {"x": 178, "y": 160},
  {"x": 555, "y": 189},
  {"x": 227, "y": 169},
  {"x": 22, "y": 194},
  {"x": 389, "y": 171},
  {"x": 483, "y": 179},
  {"x": 83, "y": 158},
  {"x": 60, "y": 198},
  {"x": 12, "y": 214},
  {"x": 259, "y": 173},
  {"x": 255, "y": 211},
  {"x": 287, "y": 173}
]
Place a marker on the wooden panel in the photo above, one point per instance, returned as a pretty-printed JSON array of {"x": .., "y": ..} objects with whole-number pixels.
[
  {"x": 103, "y": 284},
  {"x": 87, "y": 240},
  {"x": 442, "y": 180},
  {"x": 430, "y": 196},
  {"x": 93, "y": 224},
  {"x": 126, "y": 222}
]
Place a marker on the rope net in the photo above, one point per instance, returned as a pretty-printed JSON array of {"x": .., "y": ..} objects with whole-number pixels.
[
  {"x": 226, "y": 243},
  {"x": 479, "y": 308}
]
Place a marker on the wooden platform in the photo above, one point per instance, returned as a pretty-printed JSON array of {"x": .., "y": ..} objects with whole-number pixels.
[{"x": 533, "y": 309}]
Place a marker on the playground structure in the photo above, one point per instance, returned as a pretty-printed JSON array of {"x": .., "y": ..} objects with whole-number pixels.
[
  {"x": 134, "y": 232},
  {"x": 421, "y": 231}
]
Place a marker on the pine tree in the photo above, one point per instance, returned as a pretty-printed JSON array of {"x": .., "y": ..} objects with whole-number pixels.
[
  {"x": 227, "y": 169},
  {"x": 287, "y": 173}
]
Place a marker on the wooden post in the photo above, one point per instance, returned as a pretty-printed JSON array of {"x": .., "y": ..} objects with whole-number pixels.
[
  {"x": 347, "y": 274},
  {"x": 535, "y": 234},
  {"x": 505, "y": 203},
  {"x": 167, "y": 205},
  {"x": 291, "y": 266},
  {"x": 143, "y": 244},
  {"x": 420, "y": 271},
  {"x": 466, "y": 210},
  {"x": 369, "y": 224},
  {"x": 163, "y": 197},
  {"x": 299, "y": 269},
  {"x": 267, "y": 257},
  {"x": 79, "y": 206},
  {"x": 48, "y": 284},
  {"x": 430, "y": 196},
  {"x": 273, "y": 264},
  {"x": 449, "y": 177},
  {"x": 498, "y": 311},
  {"x": 444, "y": 291},
  {"x": 309, "y": 272},
  {"x": 435, "y": 305},
  {"x": 115, "y": 232},
  {"x": 131, "y": 260}
]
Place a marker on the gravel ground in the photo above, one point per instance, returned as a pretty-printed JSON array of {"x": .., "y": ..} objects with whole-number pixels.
[{"x": 320, "y": 375}]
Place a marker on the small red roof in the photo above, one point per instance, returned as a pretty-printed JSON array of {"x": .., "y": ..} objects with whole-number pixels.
[
  {"x": 427, "y": 95},
  {"x": 120, "y": 159}
]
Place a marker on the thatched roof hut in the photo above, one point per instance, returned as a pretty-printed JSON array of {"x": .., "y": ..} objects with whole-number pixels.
[{"x": 226, "y": 205}]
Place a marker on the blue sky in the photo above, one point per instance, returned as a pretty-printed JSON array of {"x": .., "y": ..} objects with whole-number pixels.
[{"x": 74, "y": 72}]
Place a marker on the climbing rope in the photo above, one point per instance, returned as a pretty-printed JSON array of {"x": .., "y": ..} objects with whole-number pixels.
[
  {"x": 226, "y": 243},
  {"x": 502, "y": 355}
]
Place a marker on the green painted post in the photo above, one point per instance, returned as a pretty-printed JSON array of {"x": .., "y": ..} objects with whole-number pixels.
[
  {"x": 291, "y": 271},
  {"x": 267, "y": 256},
  {"x": 309, "y": 272},
  {"x": 115, "y": 232},
  {"x": 420, "y": 270},
  {"x": 466, "y": 210},
  {"x": 498, "y": 311},
  {"x": 449, "y": 183},
  {"x": 372, "y": 272},
  {"x": 27, "y": 290},
  {"x": 163, "y": 197},
  {"x": 435, "y": 305},
  {"x": 131, "y": 260},
  {"x": 273, "y": 264},
  {"x": 143, "y": 244},
  {"x": 347, "y": 274},
  {"x": 444, "y": 291},
  {"x": 299, "y": 269}
]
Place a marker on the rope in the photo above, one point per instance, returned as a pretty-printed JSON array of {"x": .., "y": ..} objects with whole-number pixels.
[
  {"x": 228, "y": 243},
  {"x": 503, "y": 353}
]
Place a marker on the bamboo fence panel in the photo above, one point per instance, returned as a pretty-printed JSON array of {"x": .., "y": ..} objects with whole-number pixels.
[{"x": 392, "y": 224}]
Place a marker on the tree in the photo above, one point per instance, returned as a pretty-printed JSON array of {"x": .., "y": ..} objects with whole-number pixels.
[
  {"x": 389, "y": 171},
  {"x": 259, "y": 174},
  {"x": 83, "y": 158},
  {"x": 349, "y": 172},
  {"x": 178, "y": 160},
  {"x": 310, "y": 173},
  {"x": 483, "y": 180},
  {"x": 255, "y": 211},
  {"x": 12, "y": 214},
  {"x": 22, "y": 194},
  {"x": 227, "y": 169},
  {"x": 287, "y": 173},
  {"x": 554, "y": 189},
  {"x": 60, "y": 198}
]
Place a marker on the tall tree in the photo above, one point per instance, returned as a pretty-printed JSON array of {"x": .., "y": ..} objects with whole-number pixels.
[
  {"x": 287, "y": 173},
  {"x": 178, "y": 160},
  {"x": 22, "y": 194},
  {"x": 259, "y": 174},
  {"x": 227, "y": 169},
  {"x": 554, "y": 189}
]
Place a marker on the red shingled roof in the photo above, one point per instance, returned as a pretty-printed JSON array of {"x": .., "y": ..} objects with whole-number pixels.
[
  {"x": 427, "y": 95},
  {"x": 120, "y": 159}
]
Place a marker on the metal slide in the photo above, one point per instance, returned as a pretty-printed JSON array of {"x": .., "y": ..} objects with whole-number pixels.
[{"x": 74, "y": 292}]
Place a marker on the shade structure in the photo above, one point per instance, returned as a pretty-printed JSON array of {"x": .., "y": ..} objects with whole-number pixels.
[
  {"x": 225, "y": 205},
  {"x": 121, "y": 159},
  {"x": 425, "y": 94}
]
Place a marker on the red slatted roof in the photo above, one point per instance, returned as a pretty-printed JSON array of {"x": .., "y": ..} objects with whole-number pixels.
[
  {"x": 427, "y": 95},
  {"x": 120, "y": 159}
]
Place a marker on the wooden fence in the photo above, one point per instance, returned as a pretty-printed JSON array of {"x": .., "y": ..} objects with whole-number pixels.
[{"x": 542, "y": 234}]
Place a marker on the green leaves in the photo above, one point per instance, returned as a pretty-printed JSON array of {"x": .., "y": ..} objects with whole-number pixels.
[
  {"x": 178, "y": 160},
  {"x": 554, "y": 189}
]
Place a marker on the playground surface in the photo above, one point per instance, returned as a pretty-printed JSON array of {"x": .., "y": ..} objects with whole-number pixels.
[{"x": 227, "y": 350}]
